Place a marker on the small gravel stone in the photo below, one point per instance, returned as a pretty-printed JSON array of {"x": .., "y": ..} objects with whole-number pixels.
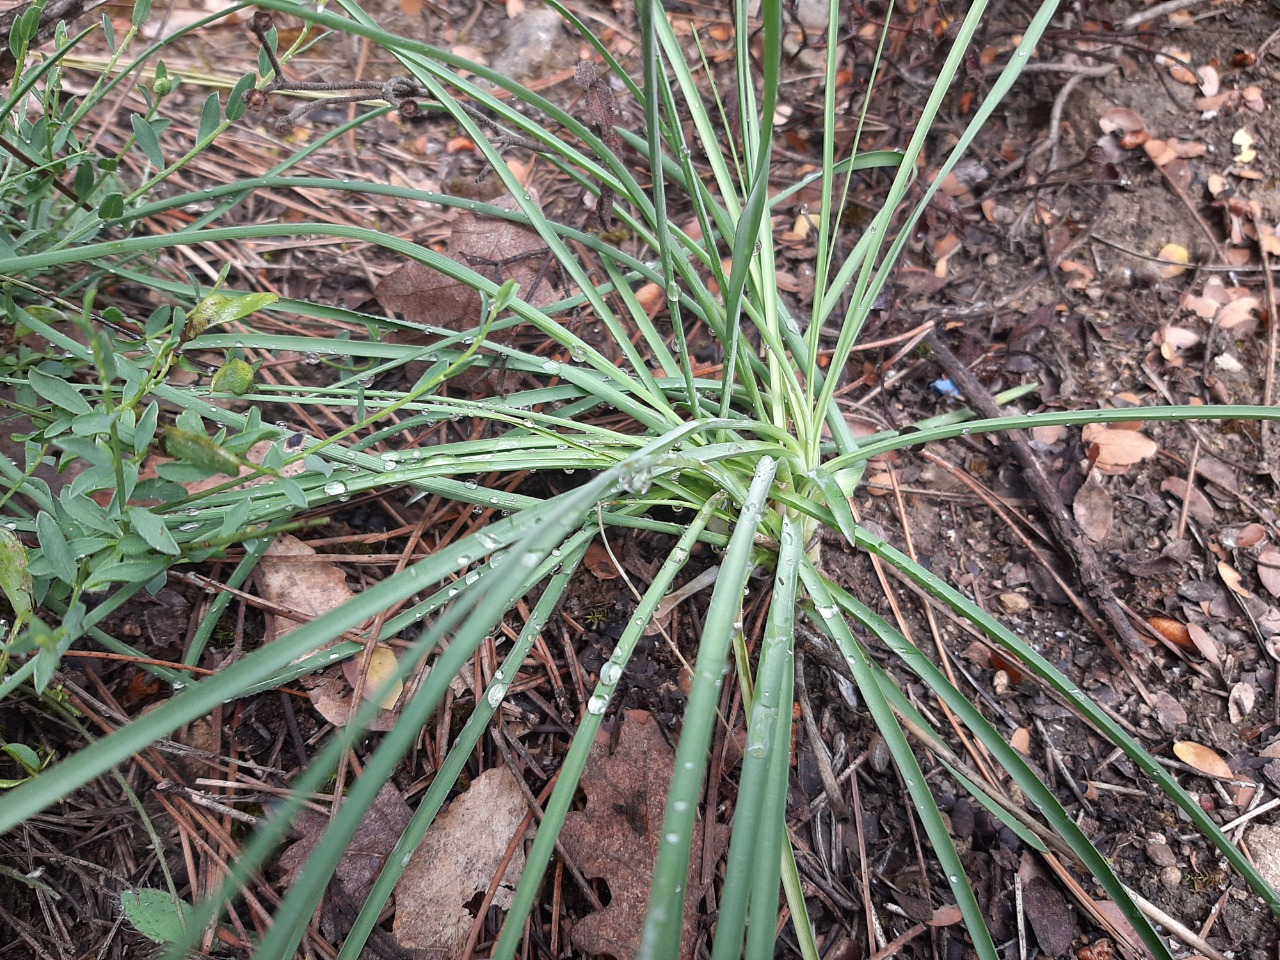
[
  {"x": 1171, "y": 877},
  {"x": 1161, "y": 853}
]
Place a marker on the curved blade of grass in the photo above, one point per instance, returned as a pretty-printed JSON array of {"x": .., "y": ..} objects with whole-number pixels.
[
  {"x": 768, "y": 748},
  {"x": 261, "y": 666},
  {"x": 460, "y": 753},
  {"x": 491, "y": 602},
  {"x": 575, "y": 759},
  {"x": 869, "y": 288},
  {"x": 1042, "y": 668},
  {"x": 1008, "y": 758},
  {"x": 832, "y": 623},
  {"x": 662, "y": 927}
]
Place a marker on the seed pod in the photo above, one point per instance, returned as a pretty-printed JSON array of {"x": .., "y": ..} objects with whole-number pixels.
[{"x": 878, "y": 753}]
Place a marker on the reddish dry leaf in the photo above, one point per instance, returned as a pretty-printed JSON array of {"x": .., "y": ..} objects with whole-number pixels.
[
  {"x": 1175, "y": 631},
  {"x": 599, "y": 562},
  {"x": 1202, "y": 759},
  {"x": 1118, "y": 448},
  {"x": 374, "y": 840},
  {"x": 1093, "y": 511},
  {"x": 1251, "y": 534},
  {"x": 1021, "y": 741},
  {"x": 616, "y": 837},
  {"x": 456, "y": 863}
]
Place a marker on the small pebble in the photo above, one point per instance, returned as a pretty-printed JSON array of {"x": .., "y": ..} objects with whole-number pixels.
[
  {"x": 1161, "y": 853},
  {"x": 1014, "y": 603},
  {"x": 1171, "y": 877}
]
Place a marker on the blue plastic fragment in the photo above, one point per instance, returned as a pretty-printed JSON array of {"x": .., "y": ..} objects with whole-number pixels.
[{"x": 948, "y": 389}]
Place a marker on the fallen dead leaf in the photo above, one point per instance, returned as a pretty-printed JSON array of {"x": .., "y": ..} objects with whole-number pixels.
[
  {"x": 598, "y": 561},
  {"x": 455, "y": 865},
  {"x": 1169, "y": 711},
  {"x": 1231, "y": 577},
  {"x": 1124, "y": 121},
  {"x": 1269, "y": 570},
  {"x": 1116, "y": 447},
  {"x": 1052, "y": 919},
  {"x": 1094, "y": 512},
  {"x": 616, "y": 838},
  {"x": 1198, "y": 506},
  {"x": 308, "y": 587},
  {"x": 1205, "y": 643},
  {"x": 1202, "y": 759},
  {"x": 1175, "y": 631},
  {"x": 498, "y": 249},
  {"x": 377, "y": 835},
  {"x": 1240, "y": 701}
]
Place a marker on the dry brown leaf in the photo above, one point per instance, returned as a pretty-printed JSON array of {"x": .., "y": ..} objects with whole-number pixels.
[
  {"x": 379, "y": 830},
  {"x": 1198, "y": 506},
  {"x": 498, "y": 249},
  {"x": 307, "y": 587},
  {"x": 455, "y": 865},
  {"x": 1235, "y": 315},
  {"x": 1250, "y": 535},
  {"x": 1122, "y": 120},
  {"x": 1240, "y": 701},
  {"x": 1021, "y": 741},
  {"x": 1093, "y": 511},
  {"x": 616, "y": 837},
  {"x": 1052, "y": 919},
  {"x": 1169, "y": 710},
  {"x": 1269, "y": 570},
  {"x": 1116, "y": 447},
  {"x": 1203, "y": 759},
  {"x": 1205, "y": 643},
  {"x": 598, "y": 561},
  {"x": 1231, "y": 577}
]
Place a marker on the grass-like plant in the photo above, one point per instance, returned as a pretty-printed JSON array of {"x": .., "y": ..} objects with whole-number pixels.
[{"x": 757, "y": 455}]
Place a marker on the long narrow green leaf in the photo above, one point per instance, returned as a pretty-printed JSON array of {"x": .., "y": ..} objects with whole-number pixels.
[
  {"x": 579, "y": 750},
  {"x": 661, "y": 936}
]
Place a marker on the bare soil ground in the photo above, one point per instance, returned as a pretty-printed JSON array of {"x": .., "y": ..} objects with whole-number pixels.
[{"x": 1075, "y": 249}]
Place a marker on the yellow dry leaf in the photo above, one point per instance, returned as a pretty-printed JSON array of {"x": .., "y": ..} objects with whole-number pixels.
[
  {"x": 382, "y": 664},
  {"x": 1243, "y": 139},
  {"x": 1179, "y": 255},
  {"x": 1203, "y": 759}
]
